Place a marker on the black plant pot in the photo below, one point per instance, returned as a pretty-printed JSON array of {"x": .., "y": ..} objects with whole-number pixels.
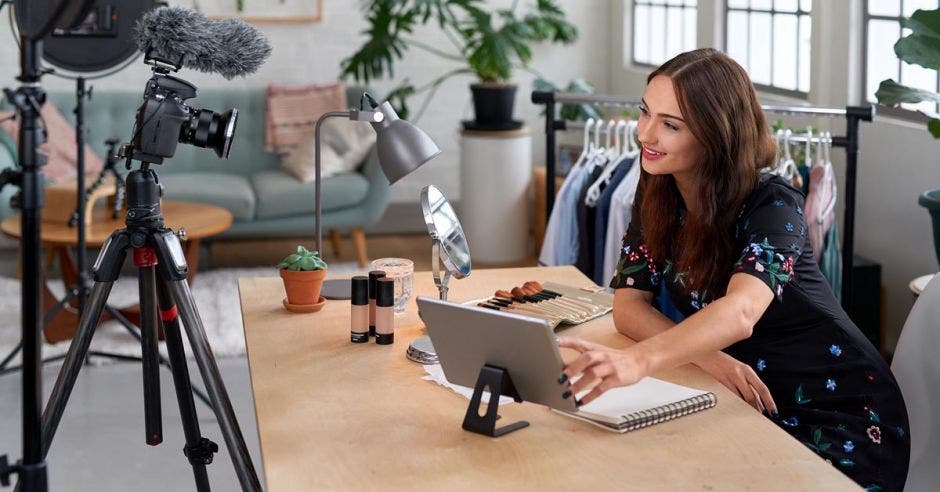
[{"x": 493, "y": 107}]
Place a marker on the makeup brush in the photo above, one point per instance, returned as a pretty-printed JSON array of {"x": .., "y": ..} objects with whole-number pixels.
[
  {"x": 562, "y": 310},
  {"x": 519, "y": 310},
  {"x": 582, "y": 309},
  {"x": 533, "y": 306},
  {"x": 532, "y": 284}
]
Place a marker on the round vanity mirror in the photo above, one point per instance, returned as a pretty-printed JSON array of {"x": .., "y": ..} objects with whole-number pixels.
[
  {"x": 450, "y": 248},
  {"x": 450, "y": 244}
]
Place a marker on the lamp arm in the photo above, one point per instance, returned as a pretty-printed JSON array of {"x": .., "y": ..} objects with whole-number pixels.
[{"x": 319, "y": 230}]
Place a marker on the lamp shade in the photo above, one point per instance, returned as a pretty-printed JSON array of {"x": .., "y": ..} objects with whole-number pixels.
[{"x": 401, "y": 146}]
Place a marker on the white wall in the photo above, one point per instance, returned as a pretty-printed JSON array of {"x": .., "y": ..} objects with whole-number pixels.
[
  {"x": 897, "y": 160},
  {"x": 312, "y": 53}
]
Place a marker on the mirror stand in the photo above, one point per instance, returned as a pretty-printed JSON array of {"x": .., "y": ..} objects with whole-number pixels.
[{"x": 440, "y": 281}]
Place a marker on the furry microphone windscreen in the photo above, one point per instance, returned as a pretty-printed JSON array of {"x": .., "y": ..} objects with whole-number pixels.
[{"x": 183, "y": 36}]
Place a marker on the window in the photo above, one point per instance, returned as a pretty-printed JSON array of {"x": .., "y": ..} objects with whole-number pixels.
[
  {"x": 771, "y": 40},
  {"x": 882, "y": 30},
  {"x": 662, "y": 29}
]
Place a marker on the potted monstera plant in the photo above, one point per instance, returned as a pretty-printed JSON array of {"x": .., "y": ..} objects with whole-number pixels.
[
  {"x": 489, "y": 43},
  {"x": 303, "y": 273}
]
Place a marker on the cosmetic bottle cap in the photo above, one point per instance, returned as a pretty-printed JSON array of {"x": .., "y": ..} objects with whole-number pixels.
[
  {"x": 384, "y": 338},
  {"x": 358, "y": 337},
  {"x": 385, "y": 292},
  {"x": 373, "y": 276},
  {"x": 360, "y": 290}
]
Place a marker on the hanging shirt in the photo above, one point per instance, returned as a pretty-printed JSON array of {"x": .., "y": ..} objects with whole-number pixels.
[
  {"x": 602, "y": 216},
  {"x": 831, "y": 262},
  {"x": 621, "y": 207},
  {"x": 819, "y": 197},
  {"x": 561, "y": 233},
  {"x": 585, "y": 257}
]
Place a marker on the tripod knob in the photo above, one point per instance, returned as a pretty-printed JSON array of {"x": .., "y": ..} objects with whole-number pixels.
[{"x": 181, "y": 233}]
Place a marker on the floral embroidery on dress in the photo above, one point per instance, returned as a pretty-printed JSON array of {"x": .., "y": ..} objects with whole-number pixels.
[
  {"x": 818, "y": 444},
  {"x": 874, "y": 433},
  {"x": 799, "y": 397},
  {"x": 633, "y": 256},
  {"x": 788, "y": 226},
  {"x": 831, "y": 384},
  {"x": 835, "y": 350},
  {"x": 848, "y": 446},
  {"x": 765, "y": 258},
  {"x": 761, "y": 365},
  {"x": 791, "y": 422},
  {"x": 779, "y": 203}
]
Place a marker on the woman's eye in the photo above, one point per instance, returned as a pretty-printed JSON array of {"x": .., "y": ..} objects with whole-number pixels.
[
  {"x": 643, "y": 111},
  {"x": 671, "y": 126}
]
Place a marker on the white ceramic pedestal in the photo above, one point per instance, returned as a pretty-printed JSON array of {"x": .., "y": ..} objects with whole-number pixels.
[{"x": 496, "y": 171}]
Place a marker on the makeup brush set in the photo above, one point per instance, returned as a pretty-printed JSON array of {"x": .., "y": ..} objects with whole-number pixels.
[{"x": 556, "y": 303}]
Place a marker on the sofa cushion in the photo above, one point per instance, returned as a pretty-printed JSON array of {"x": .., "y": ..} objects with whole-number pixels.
[
  {"x": 281, "y": 195},
  {"x": 229, "y": 191}
]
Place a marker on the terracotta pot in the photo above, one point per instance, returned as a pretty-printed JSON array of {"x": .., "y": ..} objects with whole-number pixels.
[{"x": 303, "y": 287}]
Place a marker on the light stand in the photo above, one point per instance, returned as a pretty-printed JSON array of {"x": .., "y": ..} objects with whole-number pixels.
[{"x": 401, "y": 147}]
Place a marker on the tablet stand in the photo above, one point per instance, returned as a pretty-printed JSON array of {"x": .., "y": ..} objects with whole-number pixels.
[{"x": 499, "y": 383}]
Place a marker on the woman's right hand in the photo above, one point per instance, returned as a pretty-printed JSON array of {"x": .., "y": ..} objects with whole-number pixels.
[{"x": 740, "y": 379}]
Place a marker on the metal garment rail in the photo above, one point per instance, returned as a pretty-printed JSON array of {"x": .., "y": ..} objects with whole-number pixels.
[{"x": 852, "y": 114}]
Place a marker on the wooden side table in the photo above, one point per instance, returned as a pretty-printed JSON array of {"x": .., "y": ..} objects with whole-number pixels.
[{"x": 199, "y": 221}]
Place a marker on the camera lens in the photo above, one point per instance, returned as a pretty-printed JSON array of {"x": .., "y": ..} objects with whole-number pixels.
[{"x": 207, "y": 128}]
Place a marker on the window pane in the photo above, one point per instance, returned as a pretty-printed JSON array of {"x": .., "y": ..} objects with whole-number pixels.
[
  {"x": 919, "y": 78},
  {"x": 761, "y": 4},
  {"x": 785, "y": 5},
  {"x": 657, "y": 28},
  {"x": 884, "y": 7},
  {"x": 737, "y": 4},
  {"x": 737, "y": 37},
  {"x": 691, "y": 30},
  {"x": 675, "y": 32},
  {"x": 641, "y": 44},
  {"x": 806, "y": 5},
  {"x": 692, "y": 3},
  {"x": 911, "y": 5},
  {"x": 674, "y": 2},
  {"x": 784, "y": 56},
  {"x": 760, "y": 56},
  {"x": 806, "y": 31},
  {"x": 882, "y": 62}
]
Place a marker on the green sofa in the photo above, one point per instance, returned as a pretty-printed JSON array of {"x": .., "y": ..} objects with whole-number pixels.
[{"x": 265, "y": 201}]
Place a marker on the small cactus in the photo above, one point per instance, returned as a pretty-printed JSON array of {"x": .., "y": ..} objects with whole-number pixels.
[{"x": 303, "y": 260}]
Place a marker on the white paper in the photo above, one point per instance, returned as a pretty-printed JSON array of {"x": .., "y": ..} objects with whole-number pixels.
[
  {"x": 436, "y": 373},
  {"x": 647, "y": 394}
]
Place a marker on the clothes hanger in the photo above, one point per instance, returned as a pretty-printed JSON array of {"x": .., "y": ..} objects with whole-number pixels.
[
  {"x": 830, "y": 178},
  {"x": 613, "y": 159},
  {"x": 586, "y": 148},
  {"x": 807, "y": 158}
]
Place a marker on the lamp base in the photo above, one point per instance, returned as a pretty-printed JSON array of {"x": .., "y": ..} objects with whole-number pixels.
[{"x": 337, "y": 288}]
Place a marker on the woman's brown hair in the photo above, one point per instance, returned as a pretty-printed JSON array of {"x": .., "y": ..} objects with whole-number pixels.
[{"x": 720, "y": 107}]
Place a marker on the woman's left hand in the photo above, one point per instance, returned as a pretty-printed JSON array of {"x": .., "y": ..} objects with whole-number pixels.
[{"x": 607, "y": 367}]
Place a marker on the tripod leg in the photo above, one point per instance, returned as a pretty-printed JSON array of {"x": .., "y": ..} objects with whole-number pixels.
[
  {"x": 214, "y": 385},
  {"x": 198, "y": 449},
  {"x": 146, "y": 281},
  {"x": 73, "y": 363},
  {"x": 107, "y": 269}
]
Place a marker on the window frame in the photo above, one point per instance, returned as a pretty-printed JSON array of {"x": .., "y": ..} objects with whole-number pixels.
[
  {"x": 896, "y": 112},
  {"x": 649, "y": 3},
  {"x": 772, "y": 89}
]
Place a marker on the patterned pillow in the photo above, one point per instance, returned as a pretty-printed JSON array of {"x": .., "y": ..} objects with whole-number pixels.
[
  {"x": 292, "y": 112},
  {"x": 59, "y": 147}
]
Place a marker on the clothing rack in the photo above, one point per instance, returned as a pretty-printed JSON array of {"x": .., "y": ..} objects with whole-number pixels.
[{"x": 852, "y": 114}]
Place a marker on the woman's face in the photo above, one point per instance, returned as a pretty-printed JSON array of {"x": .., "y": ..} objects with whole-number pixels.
[{"x": 668, "y": 145}]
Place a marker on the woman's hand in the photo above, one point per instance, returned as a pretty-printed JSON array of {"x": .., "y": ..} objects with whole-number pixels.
[
  {"x": 600, "y": 366},
  {"x": 740, "y": 379}
]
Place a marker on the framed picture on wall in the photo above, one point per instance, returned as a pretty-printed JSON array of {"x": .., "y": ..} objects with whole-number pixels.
[{"x": 263, "y": 11}]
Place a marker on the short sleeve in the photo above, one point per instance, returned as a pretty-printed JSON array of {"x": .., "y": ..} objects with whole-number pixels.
[
  {"x": 770, "y": 237},
  {"x": 636, "y": 268}
]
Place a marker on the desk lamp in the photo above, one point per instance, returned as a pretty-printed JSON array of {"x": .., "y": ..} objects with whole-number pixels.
[{"x": 401, "y": 147}]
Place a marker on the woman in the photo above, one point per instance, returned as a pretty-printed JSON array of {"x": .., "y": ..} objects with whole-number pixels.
[{"x": 729, "y": 244}]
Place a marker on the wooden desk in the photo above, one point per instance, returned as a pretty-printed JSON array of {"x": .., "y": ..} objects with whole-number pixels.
[{"x": 337, "y": 416}]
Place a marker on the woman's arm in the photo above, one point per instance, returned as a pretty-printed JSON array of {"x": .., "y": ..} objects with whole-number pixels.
[
  {"x": 636, "y": 318},
  {"x": 720, "y": 324}
]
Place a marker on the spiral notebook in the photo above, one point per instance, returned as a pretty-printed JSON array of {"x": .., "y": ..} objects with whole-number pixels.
[{"x": 645, "y": 403}]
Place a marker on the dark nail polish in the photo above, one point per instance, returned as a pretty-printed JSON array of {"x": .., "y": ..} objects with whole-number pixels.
[
  {"x": 566, "y": 394},
  {"x": 562, "y": 378},
  {"x": 577, "y": 403},
  {"x": 775, "y": 415}
]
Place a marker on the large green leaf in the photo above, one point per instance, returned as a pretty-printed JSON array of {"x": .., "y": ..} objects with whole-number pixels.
[
  {"x": 922, "y": 45},
  {"x": 934, "y": 126},
  {"x": 891, "y": 93}
]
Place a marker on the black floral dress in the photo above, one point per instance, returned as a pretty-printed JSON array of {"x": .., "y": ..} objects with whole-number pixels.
[{"x": 833, "y": 391}]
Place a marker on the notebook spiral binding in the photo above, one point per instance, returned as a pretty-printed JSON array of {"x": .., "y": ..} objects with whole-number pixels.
[{"x": 646, "y": 418}]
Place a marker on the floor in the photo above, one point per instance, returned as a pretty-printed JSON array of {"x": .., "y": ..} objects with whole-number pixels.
[{"x": 100, "y": 442}]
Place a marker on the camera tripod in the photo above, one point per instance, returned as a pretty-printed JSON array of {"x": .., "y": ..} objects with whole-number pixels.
[{"x": 164, "y": 297}]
